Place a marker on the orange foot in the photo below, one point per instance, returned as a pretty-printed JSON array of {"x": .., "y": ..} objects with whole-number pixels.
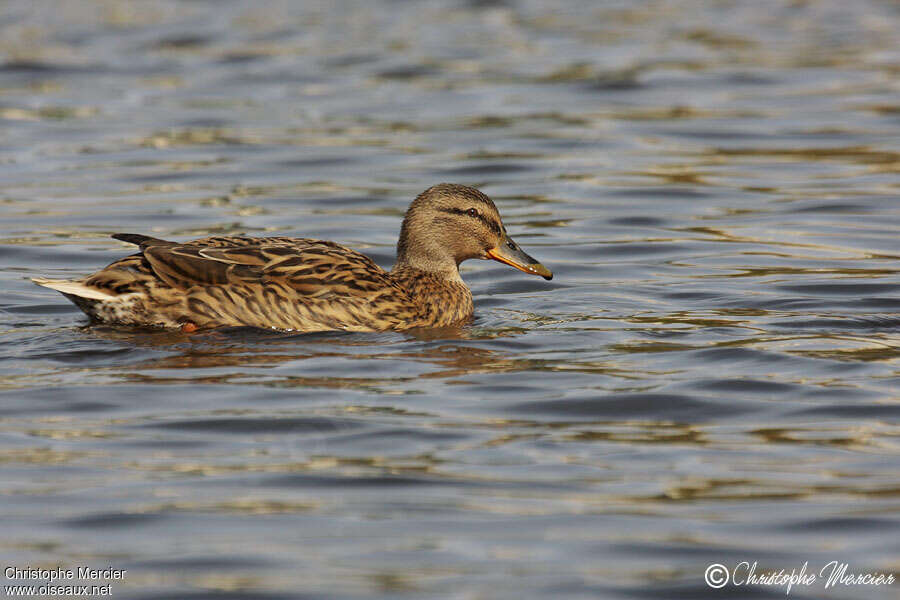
[{"x": 189, "y": 327}]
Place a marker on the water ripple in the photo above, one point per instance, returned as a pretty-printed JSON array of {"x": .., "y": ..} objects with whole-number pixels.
[{"x": 710, "y": 377}]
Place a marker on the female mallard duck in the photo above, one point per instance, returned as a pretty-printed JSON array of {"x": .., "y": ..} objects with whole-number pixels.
[{"x": 302, "y": 284}]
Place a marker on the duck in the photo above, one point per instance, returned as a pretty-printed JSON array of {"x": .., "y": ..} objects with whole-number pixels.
[{"x": 305, "y": 285}]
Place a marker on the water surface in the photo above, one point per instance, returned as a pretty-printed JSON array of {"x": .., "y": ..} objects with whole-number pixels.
[{"x": 711, "y": 376}]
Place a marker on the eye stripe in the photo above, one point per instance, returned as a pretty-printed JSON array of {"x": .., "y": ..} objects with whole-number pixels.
[
  {"x": 454, "y": 211},
  {"x": 492, "y": 225},
  {"x": 495, "y": 227}
]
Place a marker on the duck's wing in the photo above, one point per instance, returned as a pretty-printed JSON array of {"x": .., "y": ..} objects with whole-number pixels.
[
  {"x": 208, "y": 261},
  {"x": 311, "y": 266},
  {"x": 288, "y": 283}
]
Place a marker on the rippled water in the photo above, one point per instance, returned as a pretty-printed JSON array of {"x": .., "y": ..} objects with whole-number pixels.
[{"x": 712, "y": 375}]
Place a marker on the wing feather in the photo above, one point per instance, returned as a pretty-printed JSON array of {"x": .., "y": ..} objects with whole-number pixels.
[
  {"x": 290, "y": 283},
  {"x": 309, "y": 263}
]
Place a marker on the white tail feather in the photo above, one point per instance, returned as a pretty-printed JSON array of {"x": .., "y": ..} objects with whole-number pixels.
[{"x": 74, "y": 288}]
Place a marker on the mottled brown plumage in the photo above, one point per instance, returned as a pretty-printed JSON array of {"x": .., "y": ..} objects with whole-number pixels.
[{"x": 304, "y": 284}]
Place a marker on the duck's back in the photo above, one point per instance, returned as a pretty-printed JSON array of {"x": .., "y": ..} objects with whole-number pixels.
[{"x": 274, "y": 282}]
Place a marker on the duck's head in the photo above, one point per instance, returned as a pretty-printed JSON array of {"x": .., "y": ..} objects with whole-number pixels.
[{"x": 448, "y": 223}]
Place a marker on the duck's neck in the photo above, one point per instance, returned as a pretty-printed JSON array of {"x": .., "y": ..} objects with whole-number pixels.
[
  {"x": 442, "y": 296},
  {"x": 422, "y": 247},
  {"x": 446, "y": 270}
]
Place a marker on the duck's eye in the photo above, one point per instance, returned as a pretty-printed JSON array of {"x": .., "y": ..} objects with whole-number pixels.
[{"x": 472, "y": 212}]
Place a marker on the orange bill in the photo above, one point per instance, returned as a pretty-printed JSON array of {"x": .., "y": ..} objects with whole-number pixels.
[{"x": 510, "y": 254}]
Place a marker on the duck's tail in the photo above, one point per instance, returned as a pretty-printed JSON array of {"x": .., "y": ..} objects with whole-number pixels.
[{"x": 74, "y": 287}]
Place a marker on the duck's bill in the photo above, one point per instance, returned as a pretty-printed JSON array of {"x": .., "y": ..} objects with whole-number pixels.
[{"x": 510, "y": 254}]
